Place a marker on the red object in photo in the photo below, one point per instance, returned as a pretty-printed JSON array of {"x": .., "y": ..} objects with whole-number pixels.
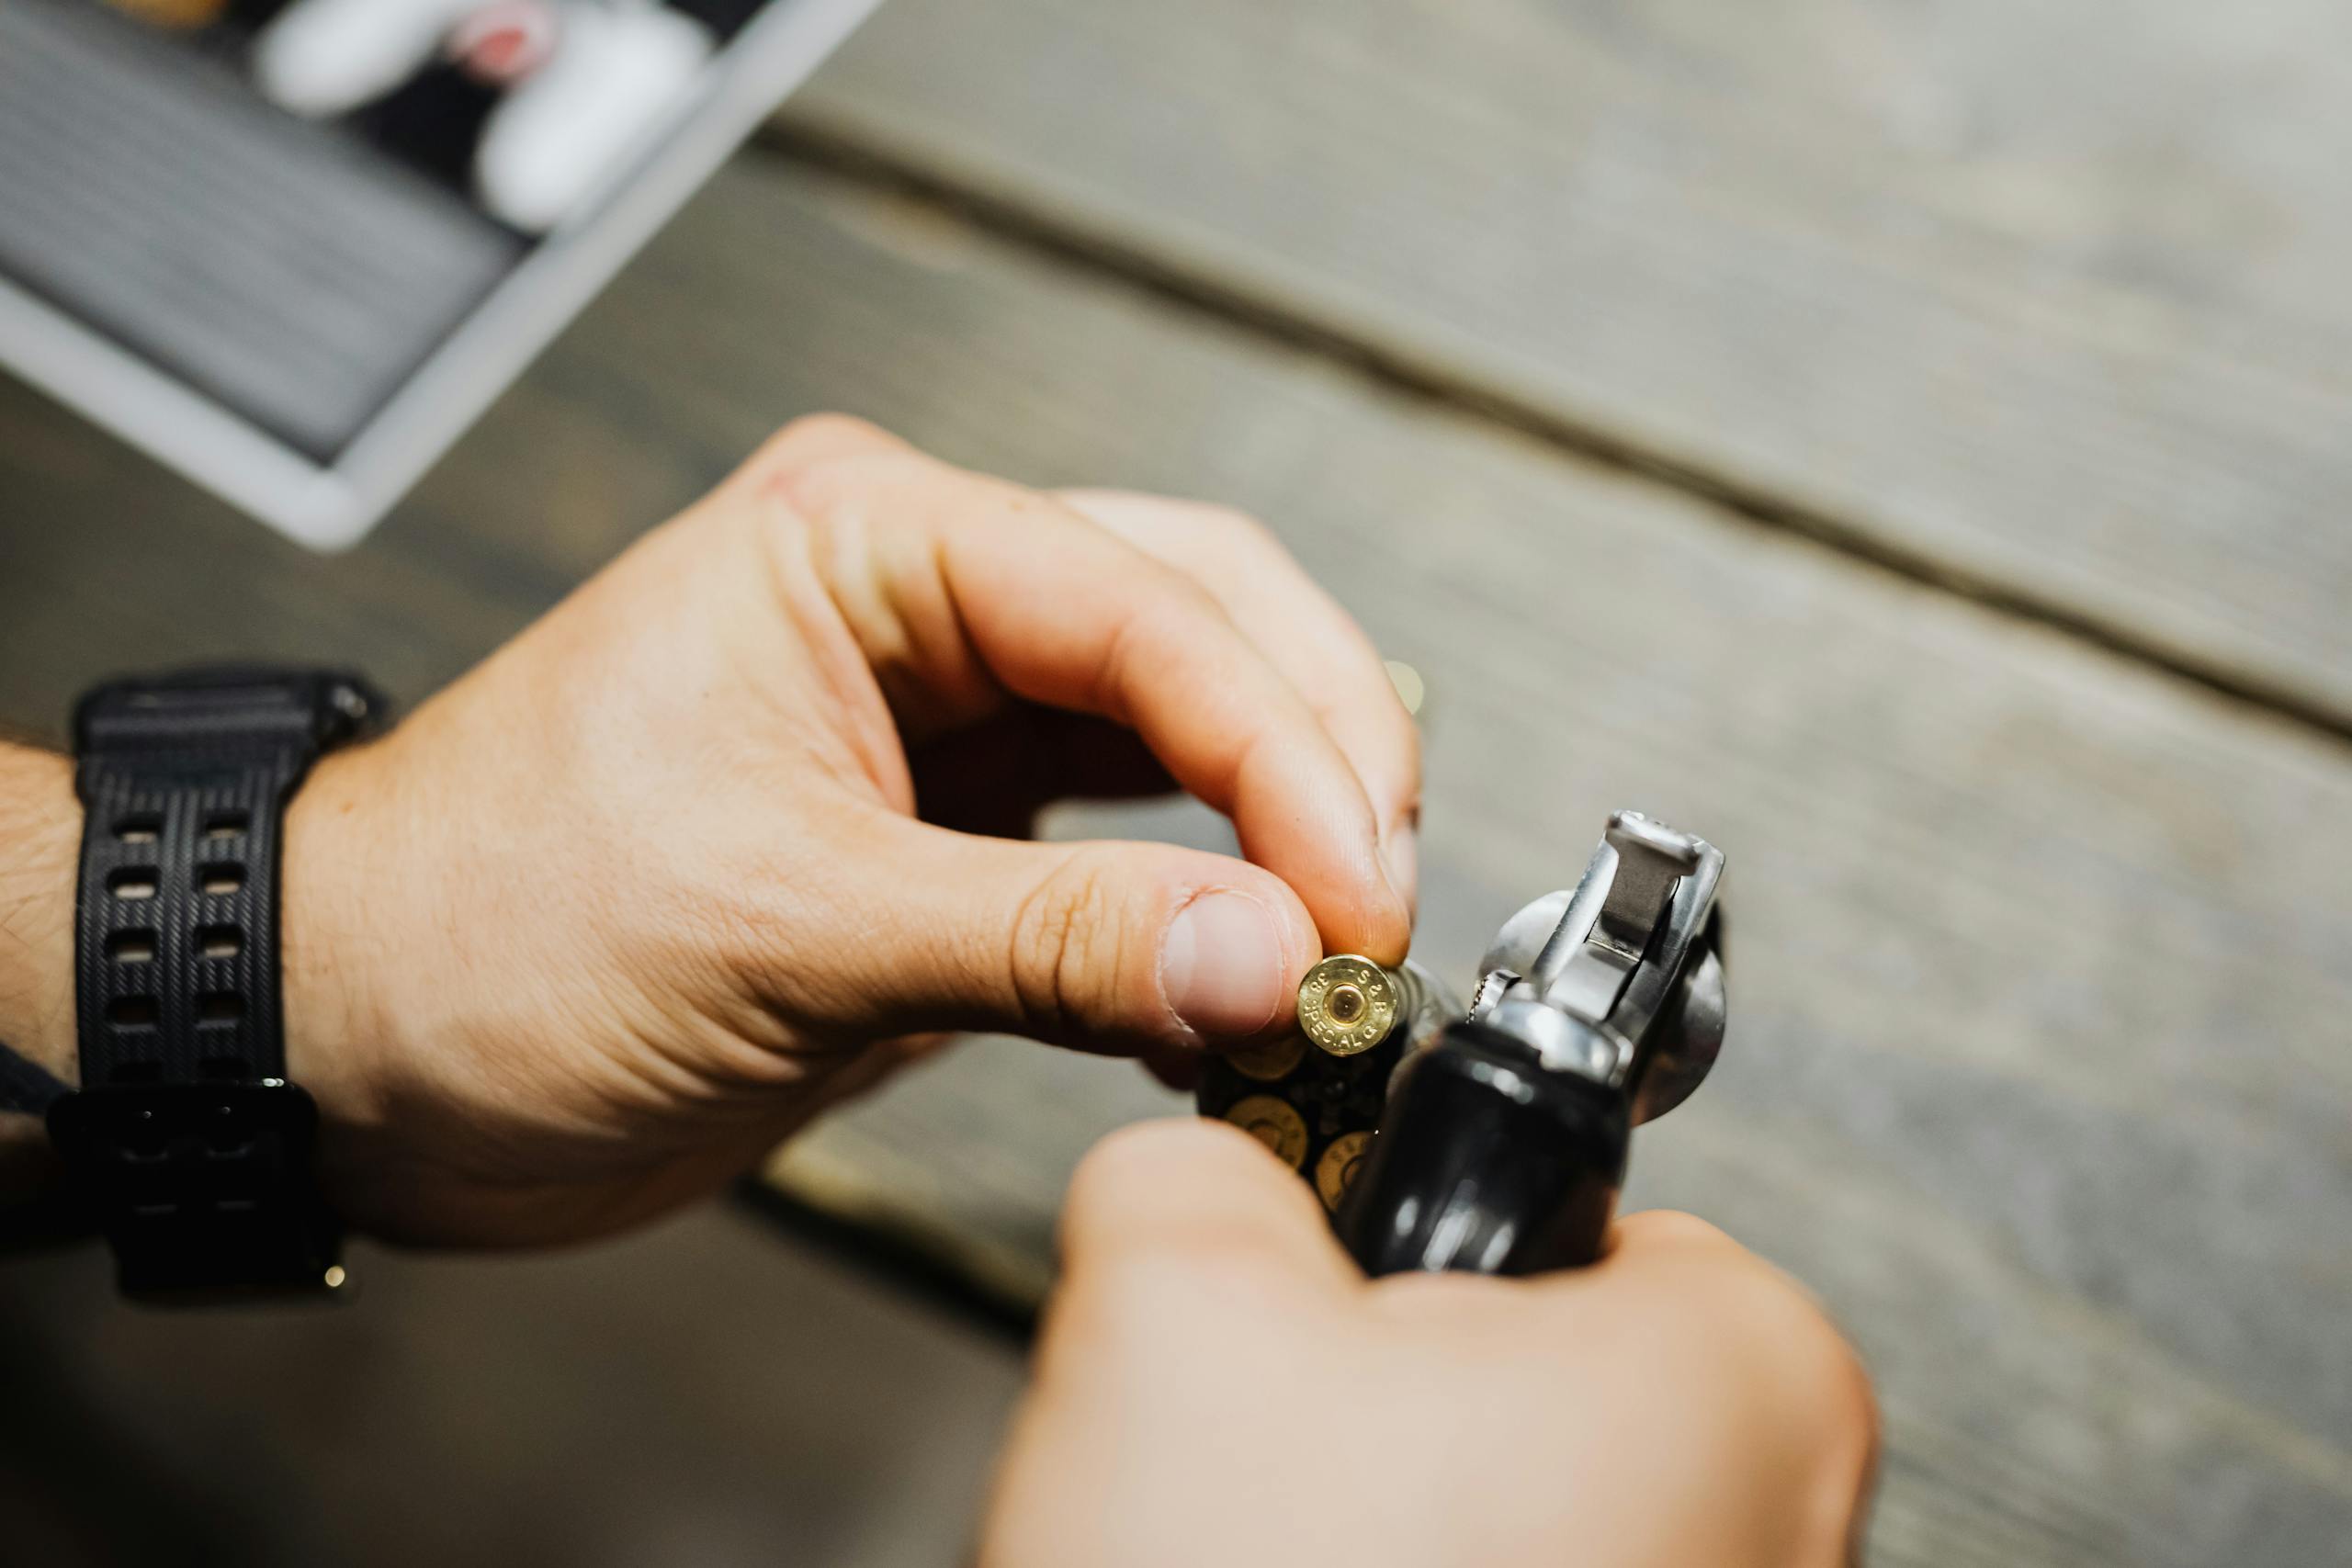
[{"x": 504, "y": 41}]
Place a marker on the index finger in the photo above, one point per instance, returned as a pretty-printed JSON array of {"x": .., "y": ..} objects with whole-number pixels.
[
  {"x": 1189, "y": 1186},
  {"x": 1303, "y": 630},
  {"x": 1061, "y": 612}
]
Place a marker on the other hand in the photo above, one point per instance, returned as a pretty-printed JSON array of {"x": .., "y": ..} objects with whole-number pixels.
[{"x": 1218, "y": 1383}]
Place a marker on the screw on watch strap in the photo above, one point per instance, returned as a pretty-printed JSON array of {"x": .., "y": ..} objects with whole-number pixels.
[{"x": 186, "y": 1143}]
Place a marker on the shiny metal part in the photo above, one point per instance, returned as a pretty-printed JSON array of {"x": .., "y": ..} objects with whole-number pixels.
[
  {"x": 1502, "y": 1141},
  {"x": 1492, "y": 985},
  {"x": 1348, "y": 1004},
  {"x": 1523, "y": 937},
  {"x": 1689, "y": 1046},
  {"x": 1622, "y": 979},
  {"x": 1429, "y": 1004},
  {"x": 1563, "y": 1044}
]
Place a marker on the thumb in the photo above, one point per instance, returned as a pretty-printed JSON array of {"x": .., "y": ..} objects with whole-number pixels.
[
  {"x": 1105, "y": 945},
  {"x": 1203, "y": 1190}
]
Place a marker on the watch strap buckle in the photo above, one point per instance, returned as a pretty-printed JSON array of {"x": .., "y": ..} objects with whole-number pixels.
[{"x": 205, "y": 1189}]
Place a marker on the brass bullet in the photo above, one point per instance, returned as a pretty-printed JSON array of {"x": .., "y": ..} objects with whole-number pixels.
[
  {"x": 1337, "y": 1168},
  {"x": 1348, "y": 1004},
  {"x": 1267, "y": 1063},
  {"x": 1274, "y": 1123}
]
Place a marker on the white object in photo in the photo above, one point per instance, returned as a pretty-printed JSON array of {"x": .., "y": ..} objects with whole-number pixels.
[{"x": 619, "y": 72}]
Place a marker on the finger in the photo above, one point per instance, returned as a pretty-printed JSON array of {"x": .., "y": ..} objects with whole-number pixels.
[
  {"x": 1721, "y": 1379},
  {"x": 1689, "y": 1284},
  {"x": 815, "y": 438},
  {"x": 1754, "y": 1337},
  {"x": 1302, "y": 629},
  {"x": 1658, "y": 1235},
  {"x": 1059, "y": 610},
  {"x": 1199, "y": 1190},
  {"x": 1107, "y": 946},
  {"x": 1658, "y": 1247}
]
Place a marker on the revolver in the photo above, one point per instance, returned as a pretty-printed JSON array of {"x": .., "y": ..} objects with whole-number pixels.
[{"x": 1492, "y": 1138}]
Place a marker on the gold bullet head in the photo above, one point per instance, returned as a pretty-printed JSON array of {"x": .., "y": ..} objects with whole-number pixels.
[
  {"x": 1268, "y": 1062},
  {"x": 1336, "y": 1170},
  {"x": 1347, "y": 1004},
  {"x": 1274, "y": 1123}
]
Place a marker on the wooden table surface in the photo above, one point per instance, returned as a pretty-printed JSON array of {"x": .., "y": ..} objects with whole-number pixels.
[{"x": 1902, "y": 443}]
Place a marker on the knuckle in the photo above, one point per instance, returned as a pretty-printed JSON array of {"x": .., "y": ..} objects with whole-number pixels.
[
  {"x": 1236, "y": 529},
  {"x": 815, "y": 467},
  {"x": 1228, "y": 541},
  {"x": 1177, "y": 634},
  {"x": 1058, "y": 936},
  {"x": 813, "y": 437}
]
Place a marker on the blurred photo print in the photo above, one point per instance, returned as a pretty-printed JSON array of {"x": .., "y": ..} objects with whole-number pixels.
[{"x": 293, "y": 247}]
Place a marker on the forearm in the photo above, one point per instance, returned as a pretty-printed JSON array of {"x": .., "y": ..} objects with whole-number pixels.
[{"x": 39, "y": 832}]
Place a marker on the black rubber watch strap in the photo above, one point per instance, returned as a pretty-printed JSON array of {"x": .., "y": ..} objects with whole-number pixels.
[
  {"x": 185, "y": 1138},
  {"x": 184, "y": 783},
  {"x": 26, "y": 1084}
]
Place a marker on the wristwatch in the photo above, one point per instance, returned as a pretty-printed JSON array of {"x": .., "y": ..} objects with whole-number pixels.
[{"x": 185, "y": 1143}]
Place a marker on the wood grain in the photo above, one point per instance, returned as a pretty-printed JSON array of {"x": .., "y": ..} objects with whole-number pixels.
[
  {"x": 2044, "y": 300},
  {"x": 2038, "y": 1070},
  {"x": 649, "y": 1400}
]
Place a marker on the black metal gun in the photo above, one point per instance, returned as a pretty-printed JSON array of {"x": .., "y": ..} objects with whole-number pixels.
[{"x": 1492, "y": 1138}]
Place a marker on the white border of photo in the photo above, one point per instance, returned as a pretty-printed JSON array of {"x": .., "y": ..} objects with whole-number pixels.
[{"x": 331, "y": 506}]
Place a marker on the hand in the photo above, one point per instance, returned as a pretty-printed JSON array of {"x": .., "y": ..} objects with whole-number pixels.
[
  {"x": 724, "y": 835},
  {"x": 1218, "y": 1383}
]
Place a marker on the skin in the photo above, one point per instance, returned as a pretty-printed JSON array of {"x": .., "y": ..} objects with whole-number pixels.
[
  {"x": 1217, "y": 1383},
  {"x": 742, "y": 825}
]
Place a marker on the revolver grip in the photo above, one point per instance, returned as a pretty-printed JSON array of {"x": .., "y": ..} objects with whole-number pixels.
[{"x": 1488, "y": 1162}]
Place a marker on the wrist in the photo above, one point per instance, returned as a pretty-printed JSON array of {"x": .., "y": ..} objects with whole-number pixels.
[
  {"x": 327, "y": 955},
  {"x": 40, "y": 826},
  {"x": 327, "y": 1026},
  {"x": 325, "y": 1009},
  {"x": 41, "y": 832}
]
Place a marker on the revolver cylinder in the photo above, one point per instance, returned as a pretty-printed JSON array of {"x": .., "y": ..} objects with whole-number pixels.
[
  {"x": 1314, "y": 1096},
  {"x": 1501, "y": 1132}
]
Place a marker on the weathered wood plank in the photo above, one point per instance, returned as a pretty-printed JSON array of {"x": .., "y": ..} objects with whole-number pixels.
[
  {"x": 2048, "y": 299},
  {"x": 695, "y": 1393},
  {"x": 2038, "y": 1070}
]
